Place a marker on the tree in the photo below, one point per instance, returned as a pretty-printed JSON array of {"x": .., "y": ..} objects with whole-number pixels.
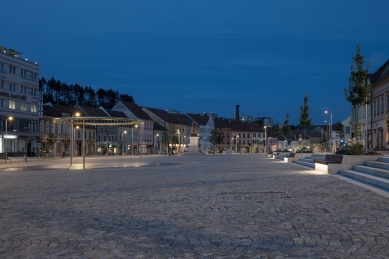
[
  {"x": 90, "y": 143},
  {"x": 277, "y": 130},
  {"x": 304, "y": 121},
  {"x": 216, "y": 138},
  {"x": 285, "y": 127},
  {"x": 165, "y": 140},
  {"x": 358, "y": 91},
  {"x": 50, "y": 140}
]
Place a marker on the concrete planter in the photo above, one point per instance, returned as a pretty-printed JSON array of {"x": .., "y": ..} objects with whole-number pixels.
[{"x": 348, "y": 162}]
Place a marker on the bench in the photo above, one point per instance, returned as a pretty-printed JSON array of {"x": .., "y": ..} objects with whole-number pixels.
[
  {"x": 330, "y": 159},
  {"x": 5, "y": 159}
]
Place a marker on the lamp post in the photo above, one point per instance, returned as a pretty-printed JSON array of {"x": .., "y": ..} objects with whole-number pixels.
[
  {"x": 125, "y": 141},
  {"x": 203, "y": 143},
  {"x": 330, "y": 129},
  {"x": 6, "y": 135},
  {"x": 179, "y": 140},
  {"x": 155, "y": 143},
  {"x": 132, "y": 139},
  {"x": 265, "y": 140},
  {"x": 236, "y": 145}
]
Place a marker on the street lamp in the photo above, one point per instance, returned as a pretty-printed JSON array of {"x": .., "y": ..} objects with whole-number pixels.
[
  {"x": 132, "y": 139},
  {"x": 236, "y": 145},
  {"x": 6, "y": 135},
  {"x": 265, "y": 140},
  {"x": 330, "y": 123},
  {"x": 179, "y": 140},
  {"x": 155, "y": 142},
  {"x": 125, "y": 141}
]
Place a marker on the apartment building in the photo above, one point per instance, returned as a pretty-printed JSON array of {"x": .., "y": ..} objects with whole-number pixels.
[
  {"x": 142, "y": 136},
  {"x": 20, "y": 105}
]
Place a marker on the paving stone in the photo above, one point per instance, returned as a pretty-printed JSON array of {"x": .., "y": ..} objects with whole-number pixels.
[{"x": 237, "y": 206}]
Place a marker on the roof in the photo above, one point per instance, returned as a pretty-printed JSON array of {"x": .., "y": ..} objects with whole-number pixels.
[
  {"x": 116, "y": 114},
  {"x": 380, "y": 74},
  {"x": 183, "y": 118},
  {"x": 136, "y": 110},
  {"x": 64, "y": 109},
  {"x": 198, "y": 118},
  {"x": 93, "y": 112},
  {"x": 51, "y": 111},
  {"x": 164, "y": 115},
  {"x": 159, "y": 127}
]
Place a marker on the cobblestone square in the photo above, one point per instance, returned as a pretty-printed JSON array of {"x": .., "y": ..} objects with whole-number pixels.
[{"x": 237, "y": 206}]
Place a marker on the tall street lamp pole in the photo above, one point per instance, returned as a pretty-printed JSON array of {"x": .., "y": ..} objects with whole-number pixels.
[
  {"x": 6, "y": 135},
  {"x": 236, "y": 145},
  {"x": 125, "y": 141},
  {"x": 330, "y": 130},
  {"x": 265, "y": 141}
]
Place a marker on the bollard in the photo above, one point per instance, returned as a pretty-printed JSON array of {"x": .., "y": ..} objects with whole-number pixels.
[{"x": 25, "y": 158}]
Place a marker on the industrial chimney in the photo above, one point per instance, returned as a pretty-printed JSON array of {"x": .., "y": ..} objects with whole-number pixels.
[{"x": 237, "y": 113}]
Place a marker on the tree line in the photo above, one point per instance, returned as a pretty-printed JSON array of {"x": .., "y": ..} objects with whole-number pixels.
[{"x": 58, "y": 92}]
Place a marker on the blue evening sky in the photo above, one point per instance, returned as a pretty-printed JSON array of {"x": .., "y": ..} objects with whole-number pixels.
[{"x": 197, "y": 56}]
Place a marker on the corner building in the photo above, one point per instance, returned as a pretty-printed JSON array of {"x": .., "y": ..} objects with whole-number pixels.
[{"x": 19, "y": 105}]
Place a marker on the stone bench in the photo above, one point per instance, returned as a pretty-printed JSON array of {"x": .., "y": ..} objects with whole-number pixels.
[{"x": 330, "y": 159}]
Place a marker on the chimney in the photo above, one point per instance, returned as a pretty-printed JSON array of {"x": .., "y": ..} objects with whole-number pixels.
[{"x": 237, "y": 113}]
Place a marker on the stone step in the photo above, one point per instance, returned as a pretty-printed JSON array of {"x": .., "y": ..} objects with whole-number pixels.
[
  {"x": 366, "y": 178},
  {"x": 378, "y": 164},
  {"x": 383, "y": 159},
  {"x": 307, "y": 164},
  {"x": 372, "y": 171}
]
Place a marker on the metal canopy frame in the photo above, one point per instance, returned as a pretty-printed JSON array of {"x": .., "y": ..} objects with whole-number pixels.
[{"x": 97, "y": 121}]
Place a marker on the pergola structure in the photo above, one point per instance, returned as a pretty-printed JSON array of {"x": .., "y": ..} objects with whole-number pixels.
[{"x": 96, "y": 121}]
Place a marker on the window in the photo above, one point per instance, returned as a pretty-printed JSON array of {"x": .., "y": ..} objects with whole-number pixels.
[
  {"x": 347, "y": 130},
  {"x": 23, "y": 107},
  {"x": 378, "y": 106},
  {"x": 12, "y": 87},
  {"x": 33, "y": 107},
  {"x": 34, "y": 93},
  {"x": 12, "y": 69},
  {"x": 23, "y": 89},
  {"x": 2, "y": 84},
  {"x": 1, "y": 66},
  {"x": 23, "y": 72},
  {"x": 382, "y": 105},
  {"x": 1, "y": 103},
  {"x": 12, "y": 104}
]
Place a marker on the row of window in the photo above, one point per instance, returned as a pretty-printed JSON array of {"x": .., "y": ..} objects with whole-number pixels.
[
  {"x": 14, "y": 105},
  {"x": 15, "y": 88},
  {"x": 23, "y": 72},
  {"x": 19, "y": 125}
]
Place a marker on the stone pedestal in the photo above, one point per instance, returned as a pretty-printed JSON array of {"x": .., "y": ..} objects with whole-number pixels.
[{"x": 194, "y": 145}]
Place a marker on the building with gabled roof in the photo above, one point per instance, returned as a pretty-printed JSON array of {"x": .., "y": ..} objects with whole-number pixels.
[
  {"x": 205, "y": 124},
  {"x": 141, "y": 139}
]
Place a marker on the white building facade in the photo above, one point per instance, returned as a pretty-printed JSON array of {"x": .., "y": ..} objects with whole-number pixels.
[{"x": 19, "y": 105}]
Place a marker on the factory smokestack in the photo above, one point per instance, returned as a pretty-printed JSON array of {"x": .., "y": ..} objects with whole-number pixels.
[{"x": 237, "y": 113}]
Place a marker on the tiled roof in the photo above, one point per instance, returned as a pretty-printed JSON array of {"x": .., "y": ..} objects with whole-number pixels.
[
  {"x": 65, "y": 109},
  {"x": 379, "y": 74},
  {"x": 116, "y": 114},
  {"x": 51, "y": 111},
  {"x": 164, "y": 115},
  {"x": 93, "y": 112},
  {"x": 200, "y": 119},
  {"x": 136, "y": 110},
  {"x": 183, "y": 118},
  {"x": 159, "y": 127}
]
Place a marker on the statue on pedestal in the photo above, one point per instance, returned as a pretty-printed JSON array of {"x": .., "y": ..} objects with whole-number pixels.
[{"x": 195, "y": 129}]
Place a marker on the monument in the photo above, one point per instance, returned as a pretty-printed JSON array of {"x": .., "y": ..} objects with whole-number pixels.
[{"x": 194, "y": 140}]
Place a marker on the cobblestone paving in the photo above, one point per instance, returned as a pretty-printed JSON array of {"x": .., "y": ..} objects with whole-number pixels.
[{"x": 239, "y": 206}]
